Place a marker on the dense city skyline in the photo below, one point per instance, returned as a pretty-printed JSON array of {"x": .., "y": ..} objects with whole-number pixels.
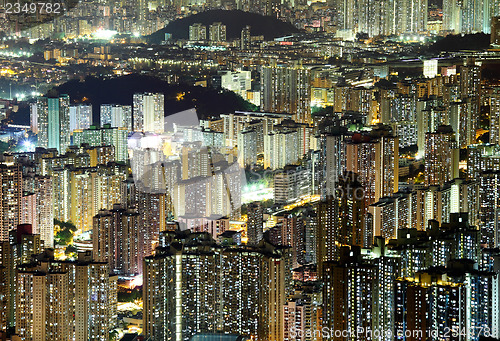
[{"x": 250, "y": 170}]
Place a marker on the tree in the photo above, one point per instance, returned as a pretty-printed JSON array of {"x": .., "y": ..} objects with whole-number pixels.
[
  {"x": 66, "y": 232},
  {"x": 70, "y": 249},
  {"x": 113, "y": 335}
]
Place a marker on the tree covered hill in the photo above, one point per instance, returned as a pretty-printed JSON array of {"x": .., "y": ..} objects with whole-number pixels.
[
  {"x": 234, "y": 20},
  {"x": 178, "y": 97}
]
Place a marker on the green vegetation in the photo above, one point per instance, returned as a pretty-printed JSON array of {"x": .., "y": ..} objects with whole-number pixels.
[
  {"x": 484, "y": 138},
  {"x": 420, "y": 178},
  {"x": 484, "y": 117},
  {"x": 259, "y": 177},
  {"x": 113, "y": 335},
  {"x": 66, "y": 231},
  {"x": 478, "y": 41},
  {"x": 4, "y": 146},
  {"x": 178, "y": 97},
  {"x": 409, "y": 150},
  {"x": 130, "y": 295},
  {"x": 267, "y": 203},
  {"x": 319, "y": 111},
  {"x": 70, "y": 250}
]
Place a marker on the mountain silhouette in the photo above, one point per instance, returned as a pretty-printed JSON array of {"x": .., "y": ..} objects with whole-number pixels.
[{"x": 235, "y": 21}]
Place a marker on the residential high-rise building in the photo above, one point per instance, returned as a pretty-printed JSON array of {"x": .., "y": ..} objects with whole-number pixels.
[
  {"x": 213, "y": 139},
  {"x": 437, "y": 300},
  {"x": 211, "y": 283},
  {"x": 402, "y": 210},
  {"x": 237, "y": 81},
  {"x": 310, "y": 222},
  {"x": 375, "y": 161},
  {"x": 263, "y": 123},
  {"x": 197, "y": 32},
  {"x": 255, "y": 223},
  {"x": 20, "y": 249},
  {"x": 371, "y": 18},
  {"x": 105, "y": 136},
  {"x": 470, "y": 79},
  {"x": 205, "y": 195},
  {"x": 285, "y": 144},
  {"x": 430, "y": 68},
  {"x": 386, "y": 164},
  {"x": 281, "y": 148},
  {"x": 291, "y": 184},
  {"x": 386, "y": 264},
  {"x": 352, "y": 227},
  {"x": 149, "y": 112},
  {"x": 105, "y": 114},
  {"x": 118, "y": 116},
  {"x": 380, "y": 18},
  {"x": 465, "y": 198},
  {"x": 293, "y": 235},
  {"x": 345, "y": 11},
  {"x": 403, "y": 119},
  {"x": 245, "y": 41},
  {"x": 348, "y": 293},
  {"x": 154, "y": 210},
  {"x": 411, "y": 16},
  {"x": 44, "y": 210},
  {"x": 11, "y": 197},
  {"x": 441, "y": 156},
  {"x": 217, "y": 32},
  {"x": 495, "y": 31},
  {"x": 469, "y": 110},
  {"x": 80, "y": 116},
  {"x": 474, "y": 16},
  {"x": 331, "y": 161},
  {"x": 53, "y": 122},
  {"x": 438, "y": 245},
  {"x": 287, "y": 89},
  {"x": 430, "y": 116},
  {"x": 247, "y": 147},
  {"x": 467, "y": 16},
  {"x": 327, "y": 223},
  {"x": 118, "y": 240},
  {"x": 63, "y": 300},
  {"x": 482, "y": 157},
  {"x": 342, "y": 221},
  {"x": 451, "y": 16},
  {"x": 100, "y": 155},
  {"x": 301, "y": 313},
  {"x": 412, "y": 305},
  {"x": 495, "y": 116},
  {"x": 34, "y": 118},
  {"x": 93, "y": 189},
  {"x": 28, "y": 210},
  {"x": 463, "y": 117},
  {"x": 489, "y": 198},
  {"x": 61, "y": 189}
]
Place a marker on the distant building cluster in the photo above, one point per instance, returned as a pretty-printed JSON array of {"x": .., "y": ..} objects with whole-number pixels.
[
  {"x": 342, "y": 18},
  {"x": 216, "y": 32}
]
